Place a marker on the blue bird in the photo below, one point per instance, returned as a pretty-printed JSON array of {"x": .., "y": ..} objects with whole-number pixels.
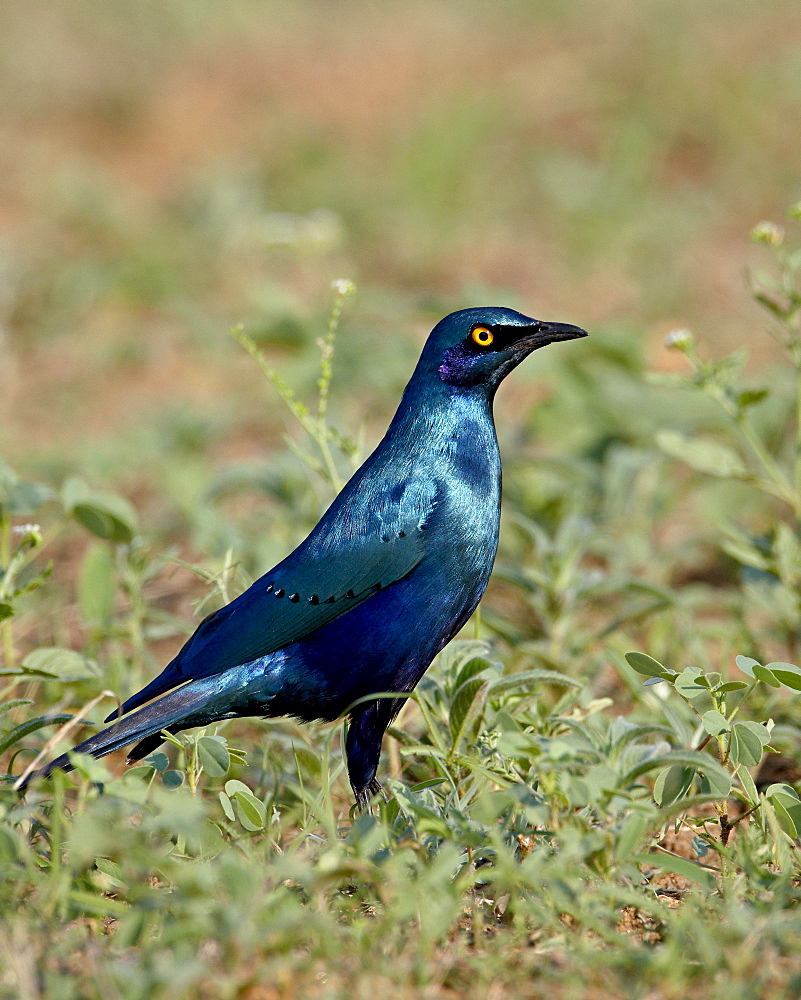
[{"x": 392, "y": 571}]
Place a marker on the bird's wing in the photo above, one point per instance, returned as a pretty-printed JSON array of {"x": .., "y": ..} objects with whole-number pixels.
[
  {"x": 331, "y": 573},
  {"x": 299, "y": 598}
]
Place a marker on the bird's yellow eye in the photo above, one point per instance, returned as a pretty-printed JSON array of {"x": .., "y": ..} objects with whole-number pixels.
[{"x": 482, "y": 336}]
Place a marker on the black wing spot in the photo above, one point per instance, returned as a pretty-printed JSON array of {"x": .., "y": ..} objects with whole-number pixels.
[
  {"x": 385, "y": 538},
  {"x": 314, "y": 599},
  {"x": 270, "y": 588},
  {"x": 294, "y": 598},
  {"x": 350, "y": 595},
  {"x": 401, "y": 534},
  {"x": 331, "y": 599},
  {"x": 280, "y": 592}
]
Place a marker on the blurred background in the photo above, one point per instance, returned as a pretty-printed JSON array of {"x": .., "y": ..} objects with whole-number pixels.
[
  {"x": 169, "y": 170},
  {"x": 173, "y": 169}
]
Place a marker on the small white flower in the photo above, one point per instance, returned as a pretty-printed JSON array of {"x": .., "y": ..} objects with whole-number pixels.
[
  {"x": 768, "y": 232},
  {"x": 28, "y": 534},
  {"x": 343, "y": 286},
  {"x": 678, "y": 340}
]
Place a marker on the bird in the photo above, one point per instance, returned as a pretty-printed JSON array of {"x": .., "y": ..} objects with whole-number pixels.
[{"x": 389, "y": 575}]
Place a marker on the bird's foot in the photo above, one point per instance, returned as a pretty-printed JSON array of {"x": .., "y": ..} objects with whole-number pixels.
[{"x": 364, "y": 796}]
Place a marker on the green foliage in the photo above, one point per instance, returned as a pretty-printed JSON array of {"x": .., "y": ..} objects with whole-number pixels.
[
  {"x": 316, "y": 427},
  {"x": 552, "y": 829},
  {"x": 527, "y": 794}
]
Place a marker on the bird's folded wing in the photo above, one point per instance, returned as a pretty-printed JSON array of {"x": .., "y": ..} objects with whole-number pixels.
[
  {"x": 299, "y": 597},
  {"x": 331, "y": 573}
]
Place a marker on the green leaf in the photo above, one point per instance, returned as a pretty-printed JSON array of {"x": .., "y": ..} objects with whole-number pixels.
[
  {"x": 26, "y": 728},
  {"x": 106, "y": 515},
  {"x": 472, "y": 668},
  {"x": 703, "y": 454},
  {"x": 746, "y": 664},
  {"x": 691, "y": 683},
  {"x": 250, "y": 811},
  {"x": 748, "y": 397},
  {"x": 741, "y": 549},
  {"x": 111, "y": 869},
  {"x": 746, "y": 742},
  {"x": 679, "y": 866},
  {"x": 101, "y": 906},
  {"x": 466, "y": 709},
  {"x": 172, "y": 778},
  {"x": 718, "y": 776},
  {"x": 732, "y": 686},
  {"x": 6, "y": 610},
  {"x": 749, "y": 788},
  {"x": 759, "y": 729},
  {"x": 426, "y": 820},
  {"x": 787, "y": 674},
  {"x": 55, "y": 663},
  {"x": 159, "y": 760},
  {"x": 17, "y": 495},
  {"x": 766, "y": 674},
  {"x": 34, "y": 582},
  {"x": 715, "y": 723},
  {"x": 645, "y": 664},
  {"x": 227, "y": 806},
  {"x": 9, "y": 706},
  {"x": 213, "y": 756},
  {"x": 140, "y": 775},
  {"x": 526, "y": 680},
  {"x": 673, "y": 784},
  {"x": 716, "y": 783},
  {"x": 787, "y": 804},
  {"x": 635, "y": 827}
]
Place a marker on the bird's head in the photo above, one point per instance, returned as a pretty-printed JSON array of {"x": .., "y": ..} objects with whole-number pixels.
[{"x": 479, "y": 347}]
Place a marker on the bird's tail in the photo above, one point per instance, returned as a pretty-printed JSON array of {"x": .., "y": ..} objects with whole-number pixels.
[{"x": 166, "y": 713}]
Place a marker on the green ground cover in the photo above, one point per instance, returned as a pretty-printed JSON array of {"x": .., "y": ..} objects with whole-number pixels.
[{"x": 592, "y": 792}]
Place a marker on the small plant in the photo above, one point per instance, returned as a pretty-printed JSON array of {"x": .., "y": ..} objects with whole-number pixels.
[
  {"x": 315, "y": 424},
  {"x": 716, "y": 703},
  {"x": 763, "y": 453}
]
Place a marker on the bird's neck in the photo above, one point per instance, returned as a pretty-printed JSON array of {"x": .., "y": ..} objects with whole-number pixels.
[{"x": 437, "y": 416}]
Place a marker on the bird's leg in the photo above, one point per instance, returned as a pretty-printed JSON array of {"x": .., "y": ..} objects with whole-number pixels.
[
  {"x": 365, "y": 795},
  {"x": 363, "y": 748}
]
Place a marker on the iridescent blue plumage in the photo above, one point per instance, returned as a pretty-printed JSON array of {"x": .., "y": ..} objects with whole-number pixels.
[{"x": 389, "y": 575}]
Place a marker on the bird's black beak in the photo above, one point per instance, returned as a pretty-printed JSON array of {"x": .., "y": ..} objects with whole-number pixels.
[{"x": 540, "y": 334}]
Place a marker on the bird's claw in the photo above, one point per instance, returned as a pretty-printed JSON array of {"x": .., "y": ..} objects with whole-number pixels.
[{"x": 364, "y": 796}]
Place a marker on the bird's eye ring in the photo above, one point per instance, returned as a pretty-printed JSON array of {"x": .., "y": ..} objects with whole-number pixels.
[{"x": 482, "y": 336}]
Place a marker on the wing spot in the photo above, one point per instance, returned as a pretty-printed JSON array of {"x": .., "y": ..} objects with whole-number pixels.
[
  {"x": 401, "y": 534},
  {"x": 331, "y": 599},
  {"x": 280, "y": 592},
  {"x": 314, "y": 599},
  {"x": 385, "y": 538},
  {"x": 350, "y": 595},
  {"x": 294, "y": 598},
  {"x": 270, "y": 588}
]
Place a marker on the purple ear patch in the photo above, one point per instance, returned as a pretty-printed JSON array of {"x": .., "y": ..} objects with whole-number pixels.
[{"x": 457, "y": 367}]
